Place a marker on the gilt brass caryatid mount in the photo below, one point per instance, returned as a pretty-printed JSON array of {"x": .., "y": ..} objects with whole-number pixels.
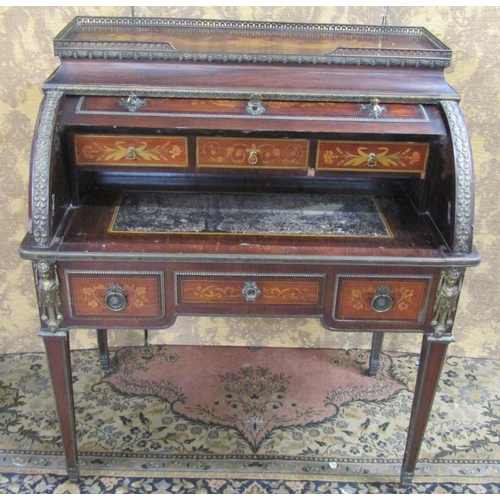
[
  {"x": 448, "y": 292},
  {"x": 49, "y": 299}
]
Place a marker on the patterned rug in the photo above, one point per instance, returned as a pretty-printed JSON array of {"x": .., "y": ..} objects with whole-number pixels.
[
  {"x": 295, "y": 419},
  {"x": 50, "y": 483}
]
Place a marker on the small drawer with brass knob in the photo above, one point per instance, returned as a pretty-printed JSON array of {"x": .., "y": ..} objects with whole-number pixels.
[
  {"x": 117, "y": 294},
  {"x": 130, "y": 151},
  {"x": 375, "y": 298},
  {"x": 395, "y": 157},
  {"x": 252, "y": 153}
]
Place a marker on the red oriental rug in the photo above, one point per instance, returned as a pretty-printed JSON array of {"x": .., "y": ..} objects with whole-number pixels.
[
  {"x": 244, "y": 414},
  {"x": 251, "y": 393}
]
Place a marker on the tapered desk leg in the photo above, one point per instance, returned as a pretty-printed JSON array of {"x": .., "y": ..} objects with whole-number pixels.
[
  {"x": 377, "y": 339},
  {"x": 102, "y": 341},
  {"x": 58, "y": 356},
  {"x": 429, "y": 370}
]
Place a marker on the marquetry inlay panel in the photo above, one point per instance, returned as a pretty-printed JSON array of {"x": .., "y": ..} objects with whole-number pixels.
[
  {"x": 131, "y": 151},
  {"x": 221, "y": 152},
  {"x": 372, "y": 156}
]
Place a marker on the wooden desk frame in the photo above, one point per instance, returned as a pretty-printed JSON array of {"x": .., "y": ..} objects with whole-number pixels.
[{"x": 114, "y": 88}]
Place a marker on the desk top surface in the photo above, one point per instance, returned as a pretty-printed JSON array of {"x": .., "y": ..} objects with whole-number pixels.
[{"x": 95, "y": 227}]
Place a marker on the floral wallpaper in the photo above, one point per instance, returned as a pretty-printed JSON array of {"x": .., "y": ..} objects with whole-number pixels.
[{"x": 26, "y": 43}]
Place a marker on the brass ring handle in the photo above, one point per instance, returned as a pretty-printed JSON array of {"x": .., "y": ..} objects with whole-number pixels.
[
  {"x": 250, "y": 291},
  {"x": 131, "y": 153},
  {"x": 253, "y": 158},
  {"x": 383, "y": 299},
  {"x": 115, "y": 298},
  {"x": 372, "y": 160}
]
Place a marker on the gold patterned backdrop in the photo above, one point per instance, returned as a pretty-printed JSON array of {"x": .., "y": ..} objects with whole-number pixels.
[{"x": 472, "y": 32}]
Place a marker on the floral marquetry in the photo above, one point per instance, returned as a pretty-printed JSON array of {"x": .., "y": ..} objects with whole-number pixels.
[
  {"x": 356, "y": 299},
  {"x": 221, "y": 152},
  {"x": 395, "y": 157},
  {"x": 91, "y": 295},
  {"x": 224, "y": 291},
  {"x": 131, "y": 151}
]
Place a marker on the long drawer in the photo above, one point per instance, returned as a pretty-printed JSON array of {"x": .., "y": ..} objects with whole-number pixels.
[{"x": 233, "y": 289}]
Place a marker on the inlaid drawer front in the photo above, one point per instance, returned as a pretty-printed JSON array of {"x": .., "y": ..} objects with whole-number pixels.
[
  {"x": 118, "y": 294},
  {"x": 372, "y": 156},
  {"x": 221, "y": 152},
  {"x": 231, "y": 288},
  {"x": 131, "y": 151},
  {"x": 381, "y": 298}
]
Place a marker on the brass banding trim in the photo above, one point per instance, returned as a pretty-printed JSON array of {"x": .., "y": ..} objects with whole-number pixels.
[{"x": 109, "y": 90}]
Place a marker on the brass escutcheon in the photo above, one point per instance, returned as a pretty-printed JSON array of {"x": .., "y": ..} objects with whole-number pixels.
[
  {"x": 255, "y": 107},
  {"x": 253, "y": 158},
  {"x": 372, "y": 160},
  {"x": 132, "y": 103},
  {"x": 251, "y": 291},
  {"x": 373, "y": 109}
]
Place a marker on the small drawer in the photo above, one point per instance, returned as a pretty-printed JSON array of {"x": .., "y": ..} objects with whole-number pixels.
[
  {"x": 131, "y": 151},
  {"x": 408, "y": 157},
  {"x": 221, "y": 152},
  {"x": 104, "y": 295},
  {"x": 232, "y": 288},
  {"x": 375, "y": 298}
]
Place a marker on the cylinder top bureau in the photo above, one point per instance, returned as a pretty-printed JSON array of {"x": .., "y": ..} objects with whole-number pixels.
[{"x": 196, "y": 167}]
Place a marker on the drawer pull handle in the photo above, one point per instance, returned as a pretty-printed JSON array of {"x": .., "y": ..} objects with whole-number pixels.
[
  {"x": 372, "y": 160},
  {"x": 251, "y": 291},
  {"x": 131, "y": 153},
  {"x": 132, "y": 103},
  {"x": 252, "y": 157},
  {"x": 373, "y": 109},
  {"x": 115, "y": 298},
  {"x": 383, "y": 299},
  {"x": 255, "y": 107}
]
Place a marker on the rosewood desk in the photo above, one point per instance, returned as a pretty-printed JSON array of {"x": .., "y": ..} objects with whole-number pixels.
[{"x": 249, "y": 168}]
